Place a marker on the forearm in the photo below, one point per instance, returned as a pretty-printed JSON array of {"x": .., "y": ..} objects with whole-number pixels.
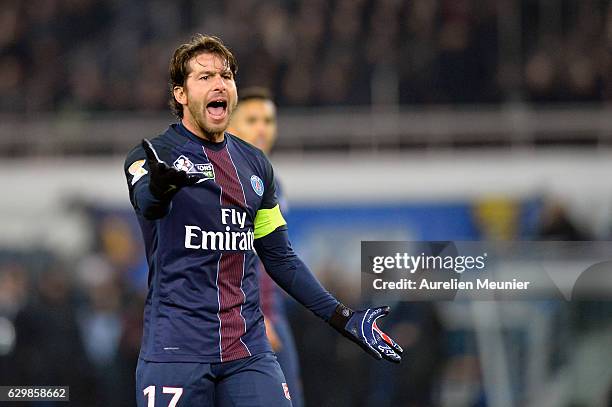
[
  {"x": 149, "y": 206},
  {"x": 291, "y": 274}
]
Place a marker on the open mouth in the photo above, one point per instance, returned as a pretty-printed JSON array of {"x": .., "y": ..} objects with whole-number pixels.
[{"x": 217, "y": 108}]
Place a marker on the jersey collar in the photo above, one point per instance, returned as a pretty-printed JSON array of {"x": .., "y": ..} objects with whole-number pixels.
[{"x": 183, "y": 131}]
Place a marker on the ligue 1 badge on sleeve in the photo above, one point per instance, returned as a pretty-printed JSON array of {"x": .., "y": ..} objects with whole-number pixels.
[
  {"x": 137, "y": 171},
  {"x": 257, "y": 185}
]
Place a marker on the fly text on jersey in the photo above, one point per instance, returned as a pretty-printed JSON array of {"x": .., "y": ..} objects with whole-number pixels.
[{"x": 231, "y": 240}]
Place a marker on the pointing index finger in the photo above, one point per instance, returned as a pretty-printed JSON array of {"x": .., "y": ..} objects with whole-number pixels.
[{"x": 150, "y": 151}]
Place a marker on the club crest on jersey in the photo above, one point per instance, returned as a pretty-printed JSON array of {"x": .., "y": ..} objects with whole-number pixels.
[
  {"x": 257, "y": 185},
  {"x": 183, "y": 163}
]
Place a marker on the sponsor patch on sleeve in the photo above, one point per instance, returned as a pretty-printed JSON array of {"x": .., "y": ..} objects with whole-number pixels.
[
  {"x": 136, "y": 169},
  {"x": 206, "y": 170}
]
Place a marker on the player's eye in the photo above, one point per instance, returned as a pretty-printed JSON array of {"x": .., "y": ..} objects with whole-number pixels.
[
  {"x": 227, "y": 76},
  {"x": 204, "y": 77}
]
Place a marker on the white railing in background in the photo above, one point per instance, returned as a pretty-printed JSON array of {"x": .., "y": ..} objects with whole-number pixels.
[{"x": 338, "y": 129}]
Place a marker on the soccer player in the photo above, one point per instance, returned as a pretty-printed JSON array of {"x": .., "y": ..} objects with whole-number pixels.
[
  {"x": 205, "y": 200},
  {"x": 254, "y": 121}
]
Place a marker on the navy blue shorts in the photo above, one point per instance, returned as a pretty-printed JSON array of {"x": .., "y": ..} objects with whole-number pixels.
[{"x": 256, "y": 381}]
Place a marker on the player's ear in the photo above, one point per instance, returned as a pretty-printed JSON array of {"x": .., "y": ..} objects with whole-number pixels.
[{"x": 179, "y": 94}]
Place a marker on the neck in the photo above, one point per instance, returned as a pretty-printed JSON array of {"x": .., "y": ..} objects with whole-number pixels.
[{"x": 201, "y": 133}]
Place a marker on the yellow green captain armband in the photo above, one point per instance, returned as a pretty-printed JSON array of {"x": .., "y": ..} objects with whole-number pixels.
[{"x": 267, "y": 221}]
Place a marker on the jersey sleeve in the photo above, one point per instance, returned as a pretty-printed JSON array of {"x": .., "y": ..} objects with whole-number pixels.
[
  {"x": 136, "y": 171},
  {"x": 269, "y": 217},
  {"x": 279, "y": 259},
  {"x": 292, "y": 275}
]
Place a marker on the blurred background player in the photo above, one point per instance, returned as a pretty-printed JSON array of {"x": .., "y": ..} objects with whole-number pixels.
[{"x": 254, "y": 121}]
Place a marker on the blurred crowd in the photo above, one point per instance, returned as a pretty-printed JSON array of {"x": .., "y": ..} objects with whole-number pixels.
[
  {"x": 75, "y": 322},
  {"x": 66, "y": 55}
]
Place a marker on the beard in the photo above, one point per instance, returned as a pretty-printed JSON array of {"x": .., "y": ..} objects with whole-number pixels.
[{"x": 199, "y": 114}]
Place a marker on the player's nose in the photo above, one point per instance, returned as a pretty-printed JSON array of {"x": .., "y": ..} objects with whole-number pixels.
[{"x": 219, "y": 84}]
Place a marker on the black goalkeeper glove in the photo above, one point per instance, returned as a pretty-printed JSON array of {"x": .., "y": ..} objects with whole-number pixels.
[
  {"x": 164, "y": 181},
  {"x": 361, "y": 328}
]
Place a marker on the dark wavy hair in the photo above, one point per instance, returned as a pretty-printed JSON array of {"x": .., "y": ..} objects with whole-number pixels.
[{"x": 179, "y": 64}]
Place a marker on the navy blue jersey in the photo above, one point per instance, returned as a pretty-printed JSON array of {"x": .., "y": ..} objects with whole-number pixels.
[{"x": 203, "y": 299}]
